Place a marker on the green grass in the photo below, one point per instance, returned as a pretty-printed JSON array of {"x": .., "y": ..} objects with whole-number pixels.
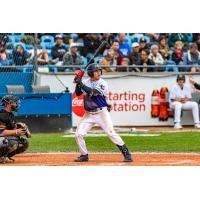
[{"x": 166, "y": 142}]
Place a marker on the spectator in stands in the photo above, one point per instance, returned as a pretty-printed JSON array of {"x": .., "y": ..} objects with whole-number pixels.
[
  {"x": 143, "y": 44},
  {"x": 107, "y": 61},
  {"x": 177, "y": 37},
  {"x": 58, "y": 50},
  {"x": 146, "y": 61},
  {"x": 117, "y": 55},
  {"x": 163, "y": 47},
  {"x": 72, "y": 57},
  {"x": 4, "y": 60},
  {"x": 42, "y": 55},
  {"x": 134, "y": 57},
  {"x": 124, "y": 65},
  {"x": 192, "y": 57},
  {"x": 20, "y": 55},
  {"x": 91, "y": 43},
  {"x": 124, "y": 47},
  {"x": 155, "y": 55},
  {"x": 109, "y": 38},
  {"x": 197, "y": 41},
  {"x": 153, "y": 36},
  {"x": 177, "y": 55}
]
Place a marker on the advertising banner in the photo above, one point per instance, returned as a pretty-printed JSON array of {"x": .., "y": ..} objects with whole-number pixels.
[{"x": 133, "y": 98}]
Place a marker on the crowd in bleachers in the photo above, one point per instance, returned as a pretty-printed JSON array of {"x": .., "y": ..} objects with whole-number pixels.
[{"x": 141, "y": 52}]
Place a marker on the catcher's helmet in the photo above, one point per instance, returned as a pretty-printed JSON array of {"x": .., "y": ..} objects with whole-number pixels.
[
  {"x": 92, "y": 68},
  {"x": 11, "y": 100},
  {"x": 180, "y": 77}
]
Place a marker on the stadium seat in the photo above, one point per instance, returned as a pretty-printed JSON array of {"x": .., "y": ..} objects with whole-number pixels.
[
  {"x": 18, "y": 36},
  {"x": 29, "y": 46},
  {"x": 12, "y": 89},
  {"x": 84, "y": 60},
  {"x": 47, "y": 39},
  {"x": 40, "y": 89}
]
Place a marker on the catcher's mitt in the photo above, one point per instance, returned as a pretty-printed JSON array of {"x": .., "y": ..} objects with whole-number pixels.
[{"x": 24, "y": 126}]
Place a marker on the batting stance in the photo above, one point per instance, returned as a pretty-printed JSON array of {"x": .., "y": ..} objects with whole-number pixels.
[
  {"x": 95, "y": 90},
  {"x": 11, "y": 142}
]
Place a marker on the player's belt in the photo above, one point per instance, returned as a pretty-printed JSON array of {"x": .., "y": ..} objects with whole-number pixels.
[{"x": 96, "y": 111}]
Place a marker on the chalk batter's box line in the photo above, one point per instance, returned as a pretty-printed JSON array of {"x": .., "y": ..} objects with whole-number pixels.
[{"x": 117, "y": 153}]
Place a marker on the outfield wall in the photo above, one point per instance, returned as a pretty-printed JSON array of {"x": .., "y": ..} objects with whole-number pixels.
[{"x": 130, "y": 95}]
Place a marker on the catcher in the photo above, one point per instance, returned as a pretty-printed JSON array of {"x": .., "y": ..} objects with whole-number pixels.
[{"x": 11, "y": 140}]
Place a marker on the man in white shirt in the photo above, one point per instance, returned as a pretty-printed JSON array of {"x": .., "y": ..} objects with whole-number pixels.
[{"x": 180, "y": 99}]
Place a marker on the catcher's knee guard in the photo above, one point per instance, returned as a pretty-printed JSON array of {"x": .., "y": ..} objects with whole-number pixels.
[
  {"x": 3, "y": 146},
  {"x": 18, "y": 146}
]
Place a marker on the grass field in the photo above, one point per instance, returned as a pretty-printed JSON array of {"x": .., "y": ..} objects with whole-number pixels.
[{"x": 165, "y": 142}]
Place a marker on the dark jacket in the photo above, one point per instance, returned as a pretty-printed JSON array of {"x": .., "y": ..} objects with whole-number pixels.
[
  {"x": 90, "y": 45},
  {"x": 7, "y": 119},
  {"x": 149, "y": 62},
  {"x": 20, "y": 59},
  {"x": 197, "y": 86},
  {"x": 58, "y": 51},
  {"x": 134, "y": 58},
  {"x": 177, "y": 58}
]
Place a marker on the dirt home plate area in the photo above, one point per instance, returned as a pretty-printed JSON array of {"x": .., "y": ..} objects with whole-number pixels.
[{"x": 140, "y": 159}]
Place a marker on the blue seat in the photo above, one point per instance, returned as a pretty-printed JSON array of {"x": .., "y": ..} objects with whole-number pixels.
[
  {"x": 29, "y": 46},
  {"x": 47, "y": 39},
  {"x": 97, "y": 59},
  {"x": 84, "y": 60},
  {"x": 18, "y": 36},
  {"x": 11, "y": 39}
]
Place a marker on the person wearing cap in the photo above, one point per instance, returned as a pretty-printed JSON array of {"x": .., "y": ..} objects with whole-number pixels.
[
  {"x": 134, "y": 57},
  {"x": 156, "y": 57},
  {"x": 180, "y": 98},
  {"x": 59, "y": 49},
  {"x": 143, "y": 44},
  {"x": 72, "y": 57}
]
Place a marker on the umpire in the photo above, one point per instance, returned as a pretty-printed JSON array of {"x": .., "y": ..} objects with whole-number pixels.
[{"x": 11, "y": 142}]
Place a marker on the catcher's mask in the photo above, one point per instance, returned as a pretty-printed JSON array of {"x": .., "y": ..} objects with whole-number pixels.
[
  {"x": 12, "y": 101},
  {"x": 93, "y": 68}
]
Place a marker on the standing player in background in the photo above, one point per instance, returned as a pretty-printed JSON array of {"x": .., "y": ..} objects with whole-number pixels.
[{"x": 95, "y": 90}]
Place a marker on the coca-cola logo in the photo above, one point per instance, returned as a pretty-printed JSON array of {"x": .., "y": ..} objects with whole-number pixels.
[
  {"x": 77, "y": 105},
  {"x": 77, "y": 102}
]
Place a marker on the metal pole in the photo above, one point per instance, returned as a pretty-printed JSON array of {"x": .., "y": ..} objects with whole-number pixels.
[{"x": 35, "y": 51}]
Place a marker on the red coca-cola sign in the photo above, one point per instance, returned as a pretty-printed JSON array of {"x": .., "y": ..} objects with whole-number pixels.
[{"x": 77, "y": 105}]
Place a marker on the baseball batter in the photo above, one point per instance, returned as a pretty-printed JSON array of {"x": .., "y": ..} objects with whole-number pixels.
[{"x": 95, "y": 90}]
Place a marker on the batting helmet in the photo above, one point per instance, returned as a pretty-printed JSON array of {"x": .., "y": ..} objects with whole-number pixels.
[
  {"x": 11, "y": 100},
  {"x": 180, "y": 77},
  {"x": 93, "y": 68}
]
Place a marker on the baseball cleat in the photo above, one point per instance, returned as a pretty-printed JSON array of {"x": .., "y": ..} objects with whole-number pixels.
[
  {"x": 82, "y": 158},
  {"x": 4, "y": 160},
  {"x": 178, "y": 126},
  {"x": 128, "y": 158},
  {"x": 197, "y": 126}
]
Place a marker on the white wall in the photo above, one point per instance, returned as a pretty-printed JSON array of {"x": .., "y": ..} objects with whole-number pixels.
[{"x": 140, "y": 87}]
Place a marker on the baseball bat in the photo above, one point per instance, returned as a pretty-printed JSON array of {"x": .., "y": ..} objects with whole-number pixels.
[{"x": 81, "y": 73}]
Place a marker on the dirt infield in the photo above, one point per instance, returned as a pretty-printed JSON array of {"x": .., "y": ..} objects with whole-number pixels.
[{"x": 106, "y": 160}]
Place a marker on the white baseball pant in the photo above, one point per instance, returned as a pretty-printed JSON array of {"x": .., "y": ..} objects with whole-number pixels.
[
  {"x": 102, "y": 118},
  {"x": 190, "y": 105}
]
